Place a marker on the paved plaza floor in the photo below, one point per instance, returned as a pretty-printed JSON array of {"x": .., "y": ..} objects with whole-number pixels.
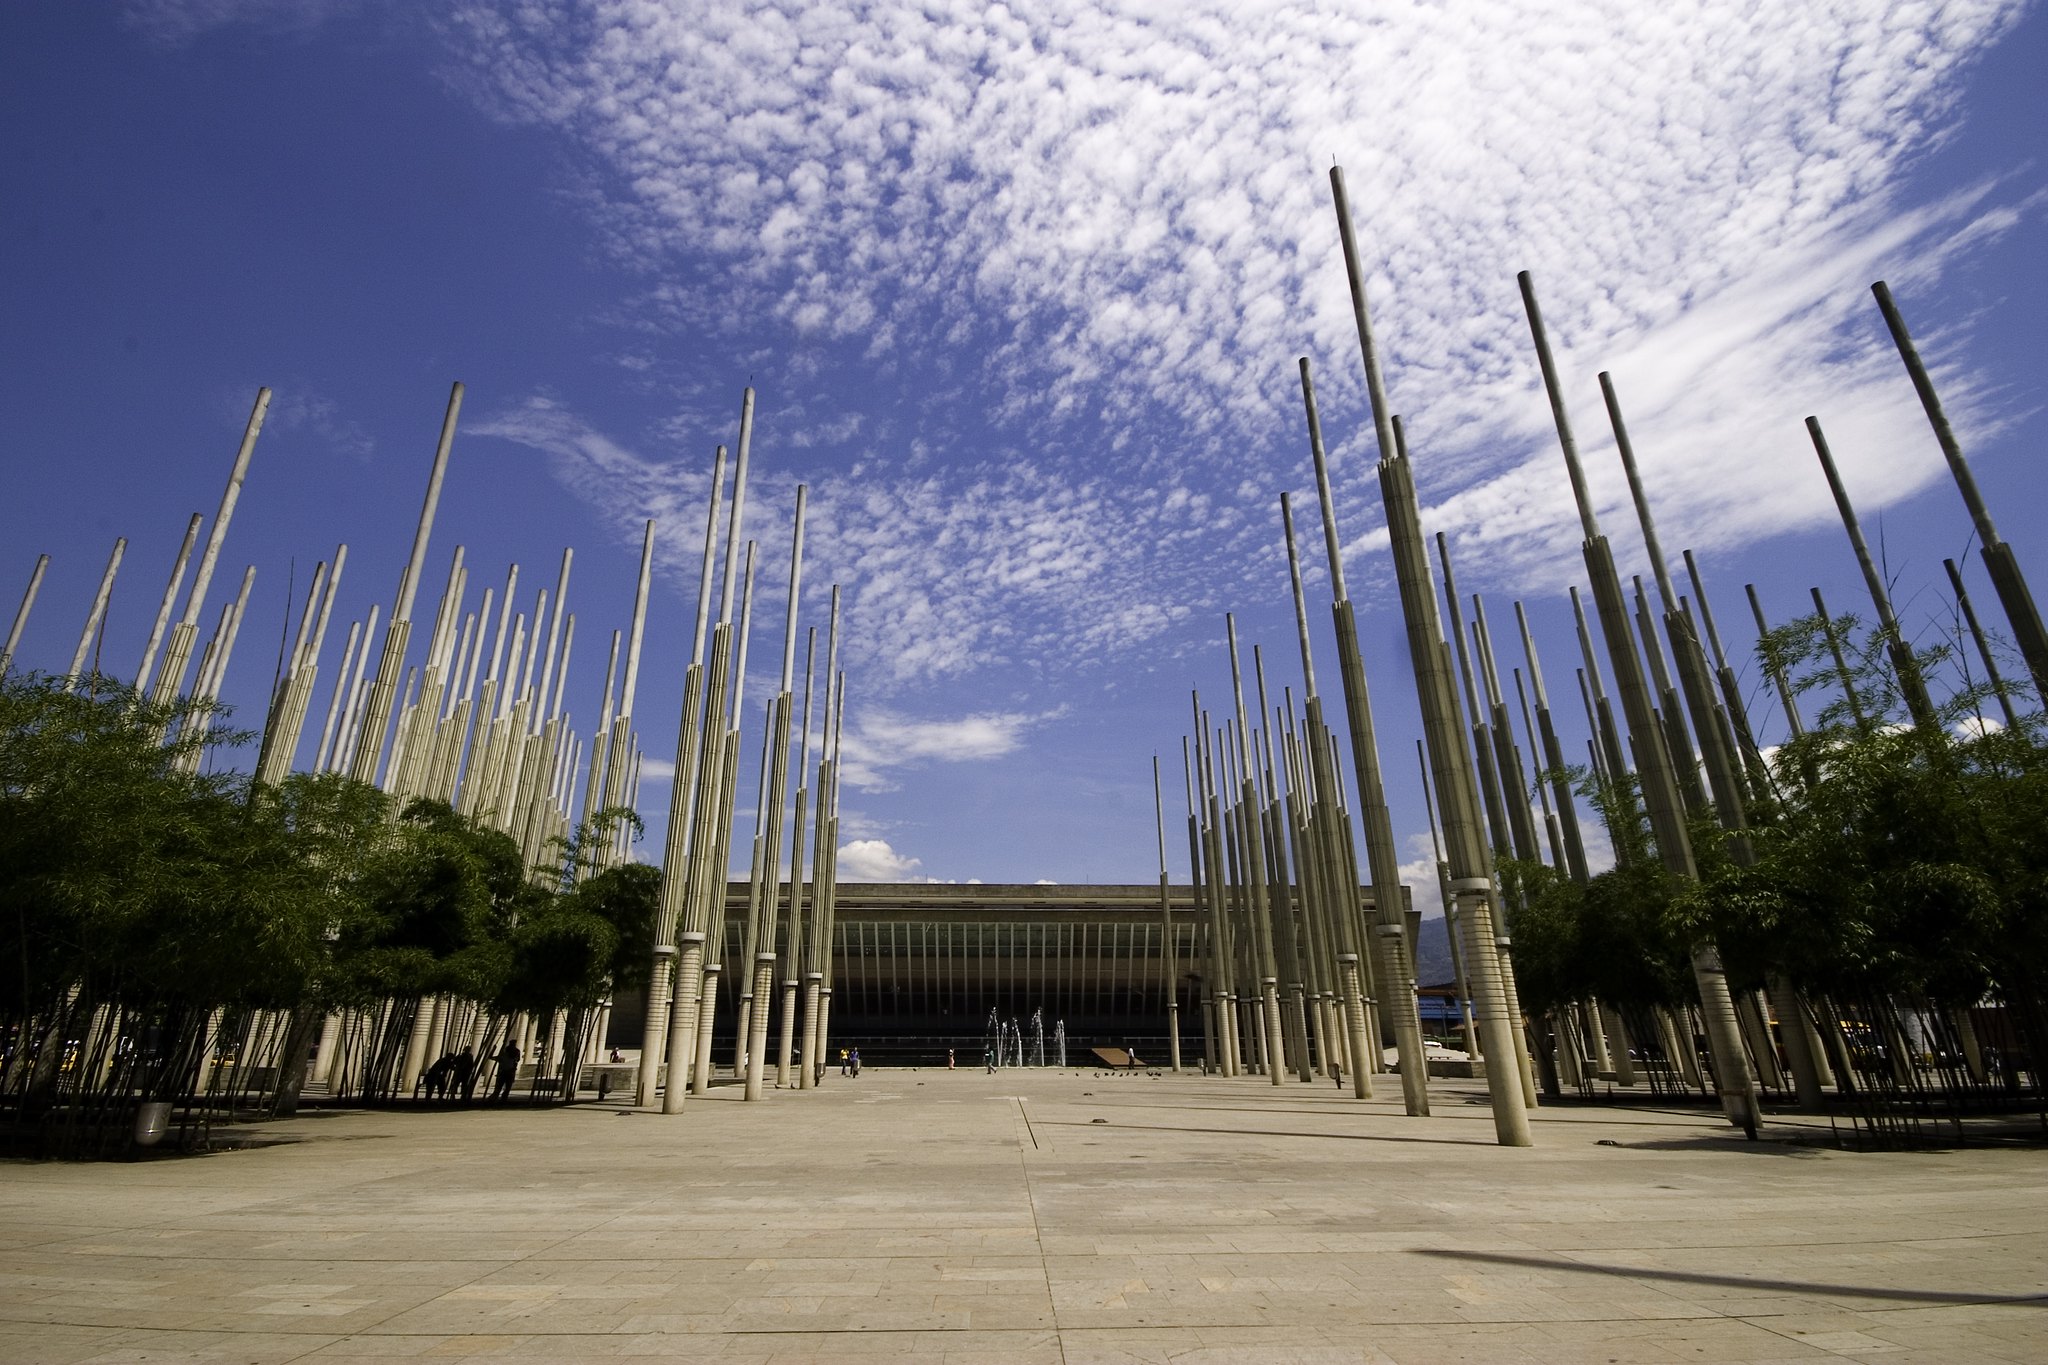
[{"x": 1029, "y": 1216}]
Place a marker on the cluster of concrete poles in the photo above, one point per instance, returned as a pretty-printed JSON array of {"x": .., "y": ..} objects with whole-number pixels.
[
  {"x": 1285, "y": 985},
  {"x": 495, "y": 742},
  {"x": 1696, "y": 751},
  {"x": 690, "y": 928},
  {"x": 1305, "y": 973}
]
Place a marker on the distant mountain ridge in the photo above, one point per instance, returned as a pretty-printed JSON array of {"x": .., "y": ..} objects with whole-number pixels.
[{"x": 1433, "y": 954}]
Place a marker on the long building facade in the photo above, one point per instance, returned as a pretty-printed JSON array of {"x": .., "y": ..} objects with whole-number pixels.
[{"x": 920, "y": 969}]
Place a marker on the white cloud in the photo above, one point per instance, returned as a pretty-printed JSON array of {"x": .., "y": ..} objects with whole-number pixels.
[
  {"x": 1598, "y": 842},
  {"x": 1116, "y": 215},
  {"x": 1977, "y": 727},
  {"x": 297, "y": 408},
  {"x": 872, "y": 860},
  {"x": 1418, "y": 874},
  {"x": 942, "y": 574},
  {"x": 881, "y": 740},
  {"x": 656, "y": 771}
]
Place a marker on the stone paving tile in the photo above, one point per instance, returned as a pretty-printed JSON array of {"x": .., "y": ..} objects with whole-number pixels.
[{"x": 912, "y": 1216}]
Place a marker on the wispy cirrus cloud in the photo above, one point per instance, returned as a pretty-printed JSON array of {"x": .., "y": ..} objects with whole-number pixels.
[
  {"x": 299, "y": 408},
  {"x": 1115, "y": 217}
]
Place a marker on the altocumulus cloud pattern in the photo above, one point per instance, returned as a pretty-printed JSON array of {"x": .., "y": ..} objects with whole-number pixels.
[{"x": 1109, "y": 226}]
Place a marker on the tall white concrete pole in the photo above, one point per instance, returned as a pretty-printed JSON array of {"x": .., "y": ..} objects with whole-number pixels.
[
  {"x": 306, "y": 676},
  {"x": 456, "y": 769},
  {"x": 793, "y": 942},
  {"x": 1169, "y": 959},
  {"x": 488, "y": 749},
  {"x": 662, "y": 977},
  {"x": 1731, "y": 689},
  {"x": 828, "y": 880},
  {"x": 341, "y": 686},
  {"x": 1392, "y": 956},
  {"x": 618, "y": 745},
  {"x": 280, "y": 732},
  {"x": 1553, "y": 828},
  {"x": 1999, "y": 561},
  {"x": 179, "y": 655},
  {"x": 28, "y": 602},
  {"x": 719, "y": 862},
  {"x": 145, "y": 672},
  {"x": 817, "y": 948},
  {"x": 319, "y": 641},
  {"x": 412, "y": 753},
  {"x": 1313, "y": 855},
  {"x": 555, "y": 628},
  {"x": 209, "y": 687},
  {"x": 1911, "y": 685},
  {"x": 600, "y": 740},
  {"x": 1210, "y": 1027},
  {"x": 1222, "y": 935},
  {"x": 706, "y": 892},
  {"x": 757, "y": 873},
  {"x": 1472, "y": 881},
  {"x": 214, "y": 667},
  {"x": 1507, "y": 754},
  {"x": 1553, "y": 758},
  {"x": 369, "y": 746},
  {"x": 1484, "y": 761},
  {"x": 1257, "y": 893},
  {"x": 762, "y": 961},
  {"x": 630, "y": 689},
  {"x": 706, "y": 897},
  {"x": 96, "y": 615},
  {"x": 1654, "y": 761},
  {"x": 358, "y": 690},
  {"x": 1999, "y": 687},
  {"x": 1280, "y": 898},
  {"x": 1340, "y": 900},
  {"x": 617, "y": 768}
]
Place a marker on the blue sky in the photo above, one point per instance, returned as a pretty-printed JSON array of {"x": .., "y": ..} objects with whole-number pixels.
[{"x": 1021, "y": 292}]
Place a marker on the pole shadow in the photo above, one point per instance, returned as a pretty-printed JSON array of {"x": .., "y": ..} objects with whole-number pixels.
[{"x": 1928, "y": 1296}]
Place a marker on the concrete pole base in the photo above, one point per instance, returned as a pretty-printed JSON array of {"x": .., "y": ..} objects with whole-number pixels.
[
  {"x": 757, "y": 1024},
  {"x": 682, "y": 1022}
]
